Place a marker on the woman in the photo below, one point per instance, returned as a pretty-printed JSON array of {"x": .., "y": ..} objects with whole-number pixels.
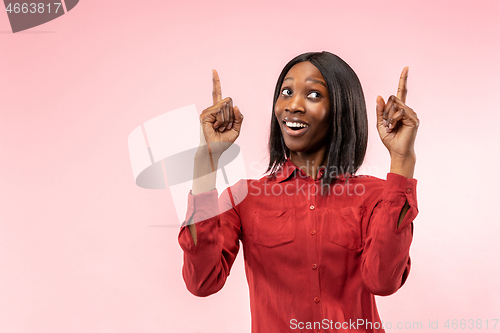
[{"x": 319, "y": 242}]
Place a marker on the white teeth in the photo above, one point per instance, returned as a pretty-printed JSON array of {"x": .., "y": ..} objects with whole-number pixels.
[{"x": 291, "y": 124}]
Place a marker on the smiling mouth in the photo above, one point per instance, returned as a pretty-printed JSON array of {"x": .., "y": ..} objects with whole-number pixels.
[
  {"x": 295, "y": 126},
  {"x": 295, "y": 129}
]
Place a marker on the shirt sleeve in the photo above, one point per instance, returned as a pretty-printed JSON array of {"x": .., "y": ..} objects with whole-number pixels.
[
  {"x": 386, "y": 257},
  {"x": 206, "y": 265}
]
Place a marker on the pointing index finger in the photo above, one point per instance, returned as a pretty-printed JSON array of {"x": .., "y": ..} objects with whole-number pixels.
[
  {"x": 216, "y": 91},
  {"x": 402, "y": 89}
]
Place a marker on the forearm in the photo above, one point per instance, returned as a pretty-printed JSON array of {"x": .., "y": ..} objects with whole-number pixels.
[
  {"x": 386, "y": 262},
  {"x": 389, "y": 235},
  {"x": 204, "y": 178},
  {"x": 207, "y": 263},
  {"x": 202, "y": 268},
  {"x": 386, "y": 256},
  {"x": 201, "y": 244},
  {"x": 404, "y": 166}
]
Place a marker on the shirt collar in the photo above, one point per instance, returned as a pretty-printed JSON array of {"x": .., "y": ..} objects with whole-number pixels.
[{"x": 289, "y": 170}]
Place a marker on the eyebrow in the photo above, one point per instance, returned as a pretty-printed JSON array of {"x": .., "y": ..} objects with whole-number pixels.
[{"x": 309, "y": 79}]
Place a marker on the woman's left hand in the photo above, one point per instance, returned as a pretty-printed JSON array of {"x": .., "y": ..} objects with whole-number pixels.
[{"x": 397, "y": 123}]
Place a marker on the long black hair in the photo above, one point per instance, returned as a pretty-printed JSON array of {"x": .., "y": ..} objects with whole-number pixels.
[{"x": 348, "y": 133}]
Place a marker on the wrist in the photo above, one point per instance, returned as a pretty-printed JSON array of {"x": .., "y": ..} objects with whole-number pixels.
[
  {"x": 403, "y": 165},
  {"x": 203, "y": 154},
  {"x": 204, "y": 173}
]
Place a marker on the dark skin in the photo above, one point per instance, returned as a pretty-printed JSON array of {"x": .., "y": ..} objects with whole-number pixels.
[
  {"x": 304, "y": 98},
  {"x": 397, "y": 126}
]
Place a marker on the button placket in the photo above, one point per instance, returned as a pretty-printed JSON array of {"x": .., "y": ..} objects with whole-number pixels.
[{"x": 313, "y": 256}]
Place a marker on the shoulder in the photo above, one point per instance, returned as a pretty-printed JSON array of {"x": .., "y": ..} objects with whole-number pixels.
[
  {"x": 236, "y": 192},
  {"x": 371, "y": 187},
  {"x": 243, "y": 187},
  {"x": 367, "y": 180},
  {"x": 262, "y": 181},
  {"x": 249, "y": 188}
]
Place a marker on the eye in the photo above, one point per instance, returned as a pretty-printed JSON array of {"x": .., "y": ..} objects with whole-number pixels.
[
  {"x": 286, "y": 92},
  {"x": 314, "y": 94}
]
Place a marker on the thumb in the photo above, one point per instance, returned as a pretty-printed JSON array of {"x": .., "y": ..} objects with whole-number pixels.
[
  {"x": 203, "y": 141},
  {"x": 380, "y": 110},
  {"x": 238, "y": 119}
]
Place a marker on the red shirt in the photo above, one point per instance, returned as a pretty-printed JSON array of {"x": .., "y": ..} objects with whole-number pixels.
[{"x": 313, "y": 262}]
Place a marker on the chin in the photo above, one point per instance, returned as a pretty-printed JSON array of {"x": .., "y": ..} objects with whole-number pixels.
[
  {"x": 295, "y": 147},
  {"x": 301, "y": 147}
]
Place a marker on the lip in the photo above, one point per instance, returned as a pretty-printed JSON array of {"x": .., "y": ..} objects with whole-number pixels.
[
  {"x": 295, "y": 120},
  {"x": 295, "y": 133}
]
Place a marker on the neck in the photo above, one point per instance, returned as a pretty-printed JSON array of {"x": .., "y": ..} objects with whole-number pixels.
[{"x": 309, "y": 162}]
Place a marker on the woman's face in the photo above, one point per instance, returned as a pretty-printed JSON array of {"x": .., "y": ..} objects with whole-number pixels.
[{"x": 303, "y": 108}]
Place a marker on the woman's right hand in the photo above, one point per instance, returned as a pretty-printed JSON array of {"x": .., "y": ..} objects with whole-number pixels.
[{"x": 221, "y": 122}]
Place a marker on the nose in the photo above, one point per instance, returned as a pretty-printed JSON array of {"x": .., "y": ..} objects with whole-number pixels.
[{"x": 295, "y": 104}]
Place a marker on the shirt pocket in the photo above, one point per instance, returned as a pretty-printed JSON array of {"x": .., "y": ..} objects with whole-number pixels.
[
  {"x": 344, "y": 229},
  {"x": 273, "y": 228}
]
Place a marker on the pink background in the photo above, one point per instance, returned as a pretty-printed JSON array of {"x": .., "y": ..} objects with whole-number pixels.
[{"x": 78, "y": 252}]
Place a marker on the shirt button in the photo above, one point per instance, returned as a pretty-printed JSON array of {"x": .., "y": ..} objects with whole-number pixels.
[
  {"x": 314, "y": 266},
  {"x": 316, "y": 299},
  {"x": 311, "y": 208},
  {"x": 408, "y": 191},
  {"x": 313, "y": 232}
]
